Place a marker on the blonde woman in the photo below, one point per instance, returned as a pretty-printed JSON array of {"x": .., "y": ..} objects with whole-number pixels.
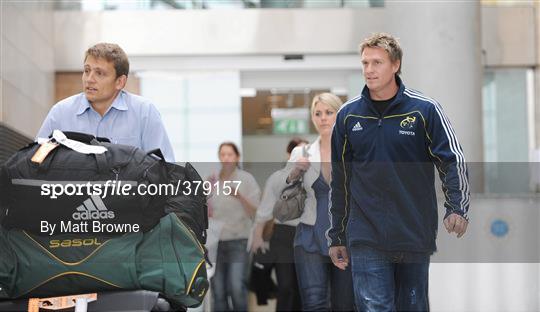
[{"x": 316, "y": 274}]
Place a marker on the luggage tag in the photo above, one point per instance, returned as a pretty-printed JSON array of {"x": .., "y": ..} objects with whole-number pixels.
[
  {"x": 43, "y": 151},
  {"x": 58, "y": 303}
]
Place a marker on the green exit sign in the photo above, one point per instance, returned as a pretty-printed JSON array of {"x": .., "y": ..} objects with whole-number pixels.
[
  {"x": 290, "y": 126},
  {"x": 290, "y": 120}
]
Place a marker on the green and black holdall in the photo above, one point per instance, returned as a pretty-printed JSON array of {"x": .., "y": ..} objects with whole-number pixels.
[{"x": 81, "y": 240}]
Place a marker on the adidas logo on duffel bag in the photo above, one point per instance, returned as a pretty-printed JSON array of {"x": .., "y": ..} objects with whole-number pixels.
[{"x": 93, "y": 209}]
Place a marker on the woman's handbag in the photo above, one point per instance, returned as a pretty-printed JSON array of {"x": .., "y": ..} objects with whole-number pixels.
[
  {"x": 290, "y": 204},
  {"x": 292, "y": 199}
]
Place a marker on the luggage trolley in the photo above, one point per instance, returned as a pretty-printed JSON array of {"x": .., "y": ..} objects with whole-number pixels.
[{"x": 138, "y": 300}]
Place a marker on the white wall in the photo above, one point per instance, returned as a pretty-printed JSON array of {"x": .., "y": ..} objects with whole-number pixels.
[
  {"x": 485, "y": 272},
  {"x": 199, "y": 111},
  {"x": 503, "y": 47},
  {"x": 26, "y": 64},
  {"x": 480, "y": 287}
]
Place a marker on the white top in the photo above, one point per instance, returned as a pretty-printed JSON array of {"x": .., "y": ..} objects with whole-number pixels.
[
  {"x": 228, "y": 209},
  {"x": 309, "y": 216},
  {"x": 272, "y": 191}
]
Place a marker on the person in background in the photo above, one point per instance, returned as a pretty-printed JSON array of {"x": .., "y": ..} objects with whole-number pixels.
[
  {"x": 281, "y": 249},
  {"x": 104, "y": 109},
  {"x": 234, "y": 200},
  {"x": 316, "y": 274}
]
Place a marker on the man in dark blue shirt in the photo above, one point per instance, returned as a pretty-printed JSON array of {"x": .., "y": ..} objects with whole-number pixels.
[{"x": 385, "y": 143}]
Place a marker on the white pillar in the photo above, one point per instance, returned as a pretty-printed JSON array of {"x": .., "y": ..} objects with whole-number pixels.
[{"x": 442, "y": 58}]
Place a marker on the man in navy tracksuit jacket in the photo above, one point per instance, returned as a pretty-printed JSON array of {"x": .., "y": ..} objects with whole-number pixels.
[{"x": 385, "y": 144}]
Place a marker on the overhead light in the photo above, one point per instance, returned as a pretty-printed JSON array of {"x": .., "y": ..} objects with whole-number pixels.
[
  {"x": 248, "y": 92},
  {"x": 339, "y": 90}
]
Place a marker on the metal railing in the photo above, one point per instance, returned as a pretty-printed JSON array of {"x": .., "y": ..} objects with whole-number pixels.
[{"x": 94, "y": 5}]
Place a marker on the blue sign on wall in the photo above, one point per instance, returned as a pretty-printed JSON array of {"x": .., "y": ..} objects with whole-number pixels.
[{"x": 499, "y": 228}]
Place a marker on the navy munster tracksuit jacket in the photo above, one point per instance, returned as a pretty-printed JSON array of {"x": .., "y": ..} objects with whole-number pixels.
[{"x": 383, "y": 193}]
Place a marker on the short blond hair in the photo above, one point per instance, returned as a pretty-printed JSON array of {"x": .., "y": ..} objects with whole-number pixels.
[
  {"x": 327, "y": 98},
  {"x": 387, "y": 42}
]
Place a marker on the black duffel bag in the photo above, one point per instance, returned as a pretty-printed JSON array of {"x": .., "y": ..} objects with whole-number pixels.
[{"x": 92, "y": 186}]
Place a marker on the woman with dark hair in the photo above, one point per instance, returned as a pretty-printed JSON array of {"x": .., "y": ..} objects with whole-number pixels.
[
  {"x": 281, "y": 252},
  {"x": 234, "y": 200}
]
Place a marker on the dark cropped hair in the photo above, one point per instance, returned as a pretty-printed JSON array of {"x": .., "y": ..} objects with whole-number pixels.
[{"x": 294, "y": 142}]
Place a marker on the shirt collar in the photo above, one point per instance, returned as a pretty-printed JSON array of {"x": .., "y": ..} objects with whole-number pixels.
[{"x": 119, "y": 103}]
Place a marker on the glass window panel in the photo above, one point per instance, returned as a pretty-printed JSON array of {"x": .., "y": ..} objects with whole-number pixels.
[{"x": 506, "y": 131}]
